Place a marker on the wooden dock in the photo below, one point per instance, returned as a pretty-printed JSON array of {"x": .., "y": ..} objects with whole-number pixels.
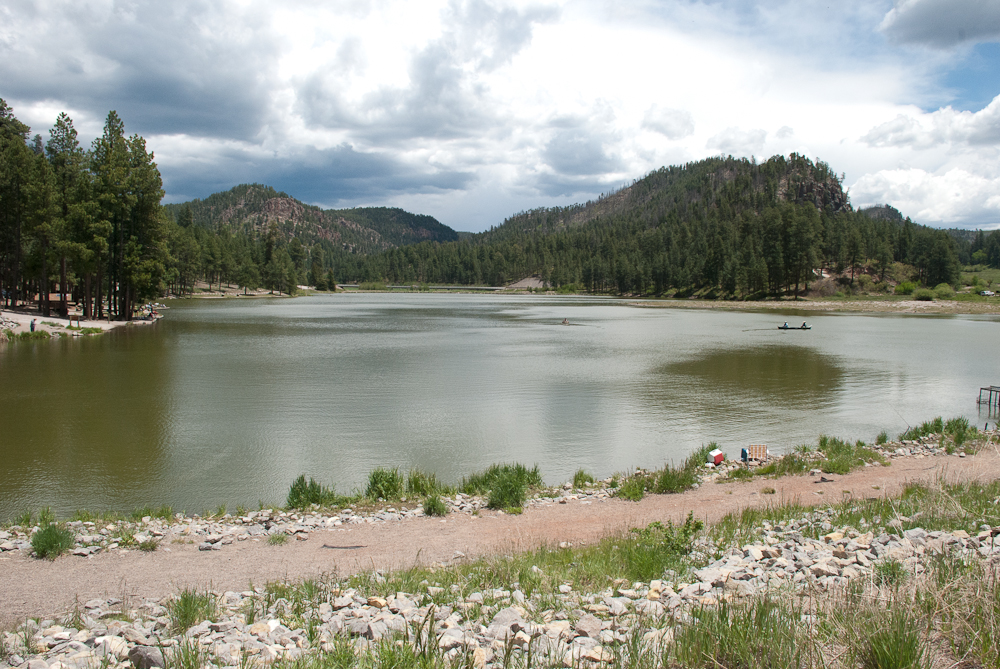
[{"x": 990, "y": 396}]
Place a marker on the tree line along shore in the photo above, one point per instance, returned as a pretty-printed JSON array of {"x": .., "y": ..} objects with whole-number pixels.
[{"x": 87, "y": 227}]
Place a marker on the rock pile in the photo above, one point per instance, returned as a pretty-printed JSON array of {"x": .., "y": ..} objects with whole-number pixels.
[{"x": 258, "y": 627}]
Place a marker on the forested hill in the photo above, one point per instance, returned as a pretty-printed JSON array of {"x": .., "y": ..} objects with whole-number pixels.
[
  {"x": 251, "y": 209},
  {"x": 721, "y": 227},
  {"x": 725, "y": 187}
]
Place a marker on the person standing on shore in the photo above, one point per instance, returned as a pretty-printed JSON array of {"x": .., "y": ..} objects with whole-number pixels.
[{"x": 32, "y": 325}]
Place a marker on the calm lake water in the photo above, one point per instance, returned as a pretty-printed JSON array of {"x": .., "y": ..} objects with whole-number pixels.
[{"x": 226, "y": 402}]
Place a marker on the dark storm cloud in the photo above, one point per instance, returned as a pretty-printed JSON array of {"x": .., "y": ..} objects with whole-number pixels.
[
  {"x": 443, "y": 99},
  {"x": 942, "y": 23},
  {"x": 327, "y": 176},
  {"x": 193, "y": 68}
]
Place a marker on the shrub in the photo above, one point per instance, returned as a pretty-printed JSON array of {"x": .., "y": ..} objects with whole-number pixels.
[
  {"x": 633, "y": 488},
  {"x": 277, "y": 539},
  {"x": 51, "y": 541},
  {"x": 905, "y": 288},
  {"x": 421, "y": 484},
  {"x": 435, "y": 506},
  {"x": 882, "y": 438},
  {"x": 944, "y": 292},
  {"x": 384, "y": 484},
  {"x": 482, "y": 482},
  {"x": 302, "y": 494},
  {"x": 507, "y": 492},
  {"x": 935, "y": 426},
  {"x": 958, "y": 428},
  {"x": 924, "y": 294},
  {"x": 149, "y": 545},
  {"x": 582, "y": 479},
  {"x": 670, "y": 480}
]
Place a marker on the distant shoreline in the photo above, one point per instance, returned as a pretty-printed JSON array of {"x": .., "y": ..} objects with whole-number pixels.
[{"x": 855, "y": 306}]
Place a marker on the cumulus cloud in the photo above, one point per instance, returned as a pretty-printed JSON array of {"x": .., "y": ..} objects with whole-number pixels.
[
  {"x": 198, "y": 68},
  {"x": 331, "y": 176},
  {"x": 738, "y": 142},
  {"x": 954, "y": 197},
  {"x": 478, "y": 108},
  {"x": 944, "y": 126},
  {"x": 445, "y": 96},
  {"x": 942, "y": 23},
  {"x": 671, "y": 123}
]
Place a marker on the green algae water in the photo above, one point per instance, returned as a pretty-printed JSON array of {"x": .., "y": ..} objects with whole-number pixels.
[{"x": 226, "y": 402}]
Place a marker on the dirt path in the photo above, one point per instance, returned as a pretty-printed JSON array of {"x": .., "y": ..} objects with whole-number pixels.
[{"x": 31, "y": 587}]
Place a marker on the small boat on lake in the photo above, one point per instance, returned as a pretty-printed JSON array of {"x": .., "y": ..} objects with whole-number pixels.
[{"x": 786, "y": 326}]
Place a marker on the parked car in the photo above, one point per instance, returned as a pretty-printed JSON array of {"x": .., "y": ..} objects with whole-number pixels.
[{"x": 987, "y": 293}]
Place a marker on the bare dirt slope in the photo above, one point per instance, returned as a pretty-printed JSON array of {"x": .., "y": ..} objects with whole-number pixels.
[{"x": 32, "y": 587}]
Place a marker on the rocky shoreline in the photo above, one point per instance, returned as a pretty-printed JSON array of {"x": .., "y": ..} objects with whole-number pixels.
[
  {"x": 566, "y": 628},
  {"x": 214, "y": 533}
]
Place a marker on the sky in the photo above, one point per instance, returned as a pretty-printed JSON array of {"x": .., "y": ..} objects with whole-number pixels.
[{"x": 473, "y": 110}]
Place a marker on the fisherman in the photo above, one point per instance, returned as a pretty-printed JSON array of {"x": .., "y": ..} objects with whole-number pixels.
[
  {"x": 785, "y": 325},
  {"x": 804, "y": 326}
]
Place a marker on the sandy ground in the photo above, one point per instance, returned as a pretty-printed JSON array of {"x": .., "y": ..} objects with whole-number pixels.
[
  {"x": 863, "y": 306},
  {"x": 32, "y": 587},
  {"x": 56, "y": 324}
]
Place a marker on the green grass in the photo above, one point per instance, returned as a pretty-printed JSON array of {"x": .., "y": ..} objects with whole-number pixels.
[
  {"x": 889, "y": 573},
  {"x": 762, "y": 633},
  {"x": 434, "y": 506},
  {"x": 841, "y": 456},
  {"x": 891, "y": 641},
  {"x": 582, "y": 478},
  {"x": 29, "y": 336},
  {"x": 189, "y": 608},
  {"x": 277, "y": 539},
  {"x": 935, "y": 426},
  {"x": 480, "y": 483},
  {"x": 303, "y": 494},
  {"x": 664, "y": 481},
  {"x": 385, "y": 484},
  {"x": 51, "y": 541},
  {"x": 421, "y": 484}
]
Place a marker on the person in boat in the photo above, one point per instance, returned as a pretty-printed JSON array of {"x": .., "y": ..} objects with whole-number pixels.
[
  {"x": 565, "y": 321},
  {"x": 785, "y": 325},
  {"x": 804, "y": 326}
]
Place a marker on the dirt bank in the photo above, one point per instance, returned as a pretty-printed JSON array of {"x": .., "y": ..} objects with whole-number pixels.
[{"x": 31, "y": 587}]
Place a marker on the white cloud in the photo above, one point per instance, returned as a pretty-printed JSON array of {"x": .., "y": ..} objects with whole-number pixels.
[
  {"x": 671, "y": 123},
  {"x": 953, "y": 198},
  {"x": 942, "y": 23},
  {"x": 944, "y": 126},
  {"x": 471, "y": 110},
  {"x": 738, "y": 142}
]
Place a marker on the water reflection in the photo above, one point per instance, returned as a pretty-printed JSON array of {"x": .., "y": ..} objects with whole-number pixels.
[
  {"x": 83, "y": 421},
  {"x": 227, "y": 402},
  {"x": 779, "y": 375}
]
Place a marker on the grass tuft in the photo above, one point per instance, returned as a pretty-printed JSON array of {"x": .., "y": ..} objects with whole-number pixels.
[
  {"x": 51, "y": 541},
  {"x": 434, "y": 506},
  {"x": 384, "y": 484},
  {"x": 189, "y": 608},
  {"x": 582, "y": 479}
]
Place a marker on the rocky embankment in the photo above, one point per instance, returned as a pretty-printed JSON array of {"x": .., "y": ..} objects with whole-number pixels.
[{"x": 564, "y": 627}]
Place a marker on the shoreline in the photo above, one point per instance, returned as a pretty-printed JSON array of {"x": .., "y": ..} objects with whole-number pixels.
[
  {"x": 19, "y": 321},
  {"x": 492, "y": 597},
  {"x": 234, "y": 551},
  {"x": 890, "y": 305}
]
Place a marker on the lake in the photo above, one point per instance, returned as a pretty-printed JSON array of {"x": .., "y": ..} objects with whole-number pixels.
[{"x": 226, "y": 402}]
